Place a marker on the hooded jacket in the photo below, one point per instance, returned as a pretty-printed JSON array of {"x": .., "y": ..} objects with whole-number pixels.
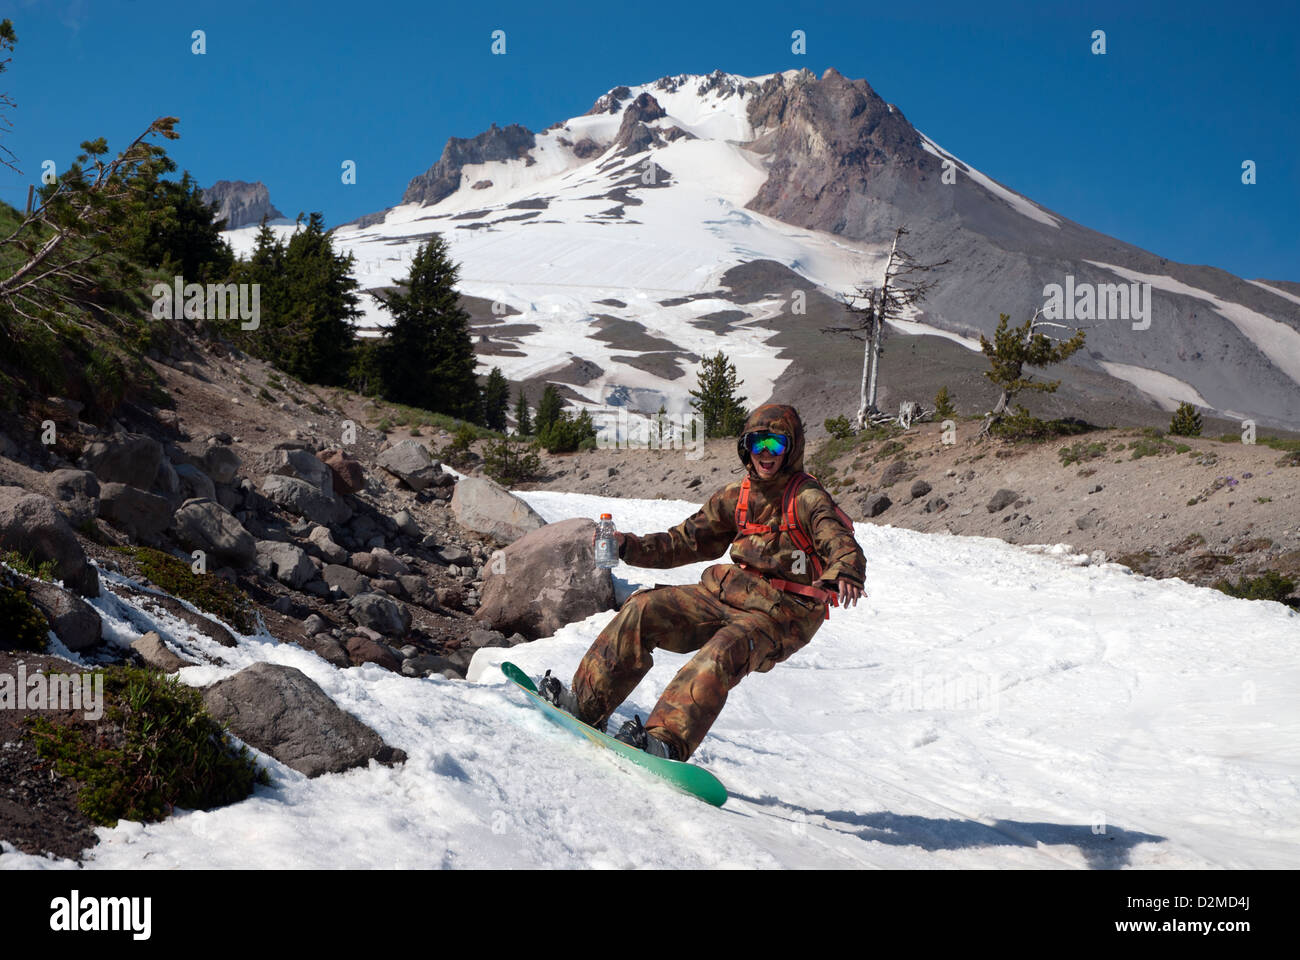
[{"x": 708, "y": 533}]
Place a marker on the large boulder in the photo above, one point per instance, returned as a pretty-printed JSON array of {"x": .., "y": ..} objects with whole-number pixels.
[
  {"x": 305, "y": 466},
  {"x": 380, "y": 613},
  {"x": 378, "y": 563},
  {"x": 409, "y": 461},
  {"x": 323, "y": 541},
  {"x": 194, "y": 483},
  {"x": 304, "y": 499},
  {"x": 545, "y": 579},
  {"x": 488, "y": 508},
  {"x": 126, "y": 458},
  {"x": 32, "y": 526},
  {"x": 141, "y": 516},
  {"x": 220, "y": 463},
  {"x": 75, "y": 493},
  {"x": 208, "y": 526},
  {"x": 285, "y": 562},
  {"x": 73, "y": 620},
  {"x": 281, "y": 711},
  {"x": 156, "y": 654},
  {"x": 348, "y": 474},
  {"x": 347, "y": 580}
]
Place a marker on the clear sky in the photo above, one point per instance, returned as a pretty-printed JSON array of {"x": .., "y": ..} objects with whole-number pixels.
[{"x": 1145, "y": 143}]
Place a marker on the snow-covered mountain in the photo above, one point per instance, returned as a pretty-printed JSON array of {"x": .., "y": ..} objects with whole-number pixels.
[
  {"x": 1010, "y": 708},
  {"x": 697, "y": 213}
]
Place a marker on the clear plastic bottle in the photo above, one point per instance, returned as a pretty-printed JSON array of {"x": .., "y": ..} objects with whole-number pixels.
[{"x": 606, "y": 545}]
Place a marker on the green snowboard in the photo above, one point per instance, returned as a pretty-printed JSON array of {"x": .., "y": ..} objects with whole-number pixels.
[{"x": 684, "y": 776}]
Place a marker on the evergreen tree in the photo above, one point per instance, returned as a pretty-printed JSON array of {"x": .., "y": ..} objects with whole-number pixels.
[
  {"x": 428, "y": 356},
  {"x": 549, "y": 408},
  {"x": 496, "y": 400},
  {"x": 172, "y": 227},
  {"x": 523, "y": 422},
  {"x": 943, "y": 405},
  {"x": 1011, "y": 351},
  {"x": 716, "y": 402},
  {"x": 321, "y": 304},
  {"x": 1186, "y": 421}
]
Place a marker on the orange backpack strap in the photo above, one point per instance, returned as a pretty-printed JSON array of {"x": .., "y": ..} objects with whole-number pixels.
[{"x": 743, "y": 527}]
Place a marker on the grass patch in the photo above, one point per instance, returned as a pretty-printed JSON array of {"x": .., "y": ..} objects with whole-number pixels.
[
  {"x": 22, "y": 625},
  {"x": 155, "y": 749},
  {"x": 24, "y": 564},
  {"x": 1021, "y": 427},
  {"x": 1270, "y": 585},
  {"x": 205, "y": 590},
  {"x": 1080, "y": 451},
  {"x": 1150, "y": 446}
]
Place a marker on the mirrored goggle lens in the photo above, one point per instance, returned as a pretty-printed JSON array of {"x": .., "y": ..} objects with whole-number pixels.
[{"x": 773, "y": 443}]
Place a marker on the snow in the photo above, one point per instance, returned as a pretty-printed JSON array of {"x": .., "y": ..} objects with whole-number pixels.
[
  {"x": 1277, "y": 291},
  {"x": 1166, "y": 390},
  {"x": 1022, "y": 205},
  {"x": 987, "y": 706},
  {"x": 1277, "y": 341}
]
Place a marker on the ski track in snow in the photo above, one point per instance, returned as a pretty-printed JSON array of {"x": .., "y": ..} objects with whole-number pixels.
[{"x": 987, "y": 706}]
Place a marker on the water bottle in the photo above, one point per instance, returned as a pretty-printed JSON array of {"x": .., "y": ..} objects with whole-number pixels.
[{"x": 606, "y": 545}]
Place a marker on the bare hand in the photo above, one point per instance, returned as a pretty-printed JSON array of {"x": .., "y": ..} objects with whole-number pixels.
[{"x": 850, "y": 593}]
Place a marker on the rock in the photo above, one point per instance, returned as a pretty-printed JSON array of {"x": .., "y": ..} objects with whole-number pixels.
[
  {"x": 300, "y": 497},
  {"x": 280, "y": 711},
  {"x": 414, "y": 587},
  {"x": 429, "y": 663},
  {"x": 378, "y": 562},
  {"x": 919, "y": 489},
  {"x": 409, "y": 461},
  {"x": 406, "y": 524},
  {"x": 208, "y": 526},
  {"x": 232, "y": 498},
  {"x": 73, "y": 620},
  {"x": 321, "y": 538},
  {"x": 453, "y": 597},
  {"x": 453, "y": 553},
  {"x": 75, "y": 493},
  {"x": 1088, "y": 520},
  {"x": 314, "y": 624},
  {"x": 381, "y": 613},
  {"x": 486, "y": 638},
  {"x": 158, "y": 655},
  {"x": 874, "y": 504},
  {"x": 7, "y": 447},
  {"x": 487, "y": 508},
  {"x": 283, "y": 605},
  {"x": 367, "y": 650},
  {"x": 328, "y": 649},
  {"x": 898, "y": 470},
  {"x": 167, "y": 483},
  {"x": 31, "y": 525},
  {"x": 348, "y": 474},
  {"x": 285, "y": 562},
  {"x": 935, "y": 505},
  {"x": 195, "y": 484},
  {"x": 220, "y": 463},
  {"x": 544, "y": 580},
  {"x": 126, "y": 458},
  {"x": 1002, "y": 499},
  {"x": 141, "y": 516},
  {"x": 305, "y": 466},
  {"x": 347, "y": 580}
]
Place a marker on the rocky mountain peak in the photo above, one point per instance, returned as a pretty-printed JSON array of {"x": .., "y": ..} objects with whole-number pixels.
[
  {"x": 241, "y": 203},
  {"x": 443, "y": 178}
]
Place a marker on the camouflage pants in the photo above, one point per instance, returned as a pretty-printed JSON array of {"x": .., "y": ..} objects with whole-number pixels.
[{"x": 734, "y": 622}]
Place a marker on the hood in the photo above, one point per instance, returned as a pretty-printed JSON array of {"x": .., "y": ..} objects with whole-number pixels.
[{"x": 778, "y": 418}]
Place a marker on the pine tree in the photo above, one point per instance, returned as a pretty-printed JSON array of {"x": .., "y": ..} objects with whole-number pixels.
[
  {"x": 723, "y": 412},
  {"x": 1186, "y": 421},
  {"x": 523, "y": 422},
  {"x": 428, "y": 356},
  {"x": 1016, "y": 348},
  {"x": 496, "y": 400},
  {"x": 943, "y": 405},
  {"x": 549, "y": 408}
]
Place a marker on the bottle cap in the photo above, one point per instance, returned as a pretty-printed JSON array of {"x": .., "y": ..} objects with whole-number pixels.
[{"x": 607, "y": 516}]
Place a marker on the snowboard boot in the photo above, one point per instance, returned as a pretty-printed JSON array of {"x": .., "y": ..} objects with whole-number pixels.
[
  {"x": 551, "y": 690},
  {"x": 634, "y": 735}
]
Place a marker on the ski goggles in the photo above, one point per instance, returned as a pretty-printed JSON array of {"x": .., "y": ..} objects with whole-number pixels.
[{"x": 773, "y": 443}]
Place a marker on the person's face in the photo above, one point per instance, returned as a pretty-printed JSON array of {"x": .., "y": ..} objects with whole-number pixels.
[{"x": 765, "y": 458}]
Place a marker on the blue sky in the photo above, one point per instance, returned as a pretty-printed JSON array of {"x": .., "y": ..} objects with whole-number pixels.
[{"x": 1144, "y": 143}]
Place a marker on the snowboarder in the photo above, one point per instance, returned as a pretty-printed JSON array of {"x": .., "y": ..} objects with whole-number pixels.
[{"x": 795, "y": 555}]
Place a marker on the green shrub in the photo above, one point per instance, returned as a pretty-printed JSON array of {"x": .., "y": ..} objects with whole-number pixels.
[
  {"x": 24, "y": 565},
  {"x": 1022, "y": 427},
  {"x": 509, "y": 462},
  {"x": 1271, "y": 585},
  {"x": 841, "y": 428},
  {"x": 205, "y": 590},
  {"x": 1146, "y": 447},
  {"x": 1186, "y": 421},
  {"x": 566, "y": 434},
  {"x": 1292, "y": 459},
  {"x": 22, "y": 626},
  {"x": 1080, "y": 451},
  {"x": 155, "y": 749},
  {"x": 457, "y": 451}
]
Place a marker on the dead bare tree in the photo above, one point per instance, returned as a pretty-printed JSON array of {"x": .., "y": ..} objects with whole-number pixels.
[{"x": 902, "y": 286}]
